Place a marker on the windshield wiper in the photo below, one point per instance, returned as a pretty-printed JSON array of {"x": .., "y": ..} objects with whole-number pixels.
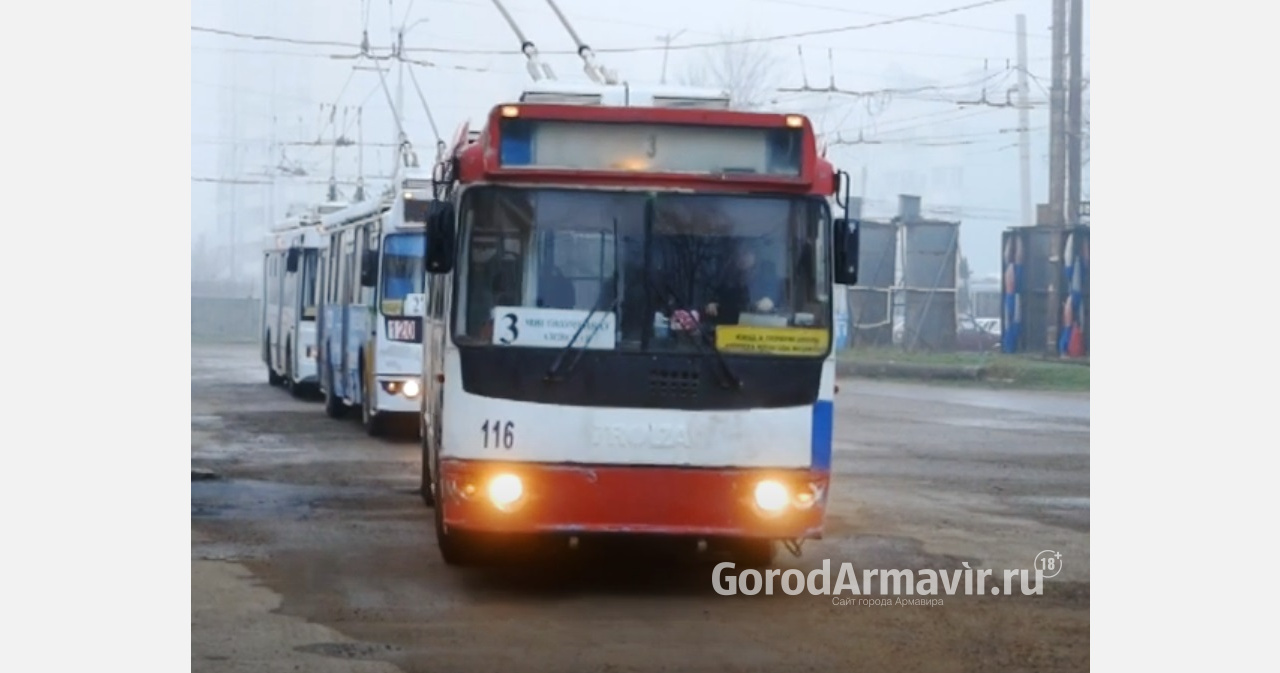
[
  {"x": 552, "y": 372},
  {"x": 703, "y": 343}
]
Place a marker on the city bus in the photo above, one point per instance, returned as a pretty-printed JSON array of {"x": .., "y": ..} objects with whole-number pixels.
[
  {"x": 289, "y": 301},
  {"x": 629, "y": 326},
  {"x": 372, "y": 302}
]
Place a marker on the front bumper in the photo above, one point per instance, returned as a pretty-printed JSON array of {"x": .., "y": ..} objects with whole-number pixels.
[{"x": 577, "y": 499}]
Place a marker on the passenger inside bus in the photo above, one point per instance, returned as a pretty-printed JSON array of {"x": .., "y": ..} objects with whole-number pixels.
[
  {"x": 745, "y": 287},
  {"x": 555, "y": 290},
  {"x": 481, "y": 282},
  {"x": 494, "y": 278}
]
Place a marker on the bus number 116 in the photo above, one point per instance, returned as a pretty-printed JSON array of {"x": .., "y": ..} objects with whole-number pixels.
[{"x": 498, "y": 435}]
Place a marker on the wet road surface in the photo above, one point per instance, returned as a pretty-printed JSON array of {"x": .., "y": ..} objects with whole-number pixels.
[{"x": 311, "y": 550}]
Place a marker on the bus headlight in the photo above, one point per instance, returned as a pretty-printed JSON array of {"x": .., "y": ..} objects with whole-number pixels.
[
  {"x": 772, "y": 496},
  {"x": 411, "y": 389},
  {"x": 505, "y": 490}
]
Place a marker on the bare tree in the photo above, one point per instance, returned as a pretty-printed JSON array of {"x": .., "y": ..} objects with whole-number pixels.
[{"x": 747, "y": 71}]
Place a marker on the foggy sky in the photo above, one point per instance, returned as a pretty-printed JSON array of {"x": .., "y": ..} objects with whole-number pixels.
[{"x": 963, "y": 158}]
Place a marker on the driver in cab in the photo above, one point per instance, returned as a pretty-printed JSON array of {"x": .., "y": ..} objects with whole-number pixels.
[
  {"x": 745, "y": 287},
  {"x": 484, "y": 286}
]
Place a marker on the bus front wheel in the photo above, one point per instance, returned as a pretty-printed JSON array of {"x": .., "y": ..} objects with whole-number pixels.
[
  {"x": 333, "y": 406},
  {"x": 457, "y": 548},
  {"x": 272, "y": 377},
  {"x": 373, "y": 423}
]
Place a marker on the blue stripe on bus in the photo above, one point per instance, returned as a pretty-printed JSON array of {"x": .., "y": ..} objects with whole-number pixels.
[{"x": 820, "y": 441}]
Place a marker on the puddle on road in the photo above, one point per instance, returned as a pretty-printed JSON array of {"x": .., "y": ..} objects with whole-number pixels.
[
  {"x": 1069, "y": 512},
  {"x": 253, "y": 500},
  {"x": 203, "y": 421},
  {"x": 228, "y": 551},
  {"x": 886, "y": 551}
]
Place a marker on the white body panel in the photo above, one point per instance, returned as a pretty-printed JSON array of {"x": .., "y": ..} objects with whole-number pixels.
[
  {"x": 305, "y": 353},
  {"x": 780, "y": 438}
]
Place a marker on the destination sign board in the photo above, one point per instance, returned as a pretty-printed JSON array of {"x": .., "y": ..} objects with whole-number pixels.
[{"x": 650, "y": 148}]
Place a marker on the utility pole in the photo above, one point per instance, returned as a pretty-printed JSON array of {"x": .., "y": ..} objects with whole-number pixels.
[
  {"x": 1057, "y": 177},
  {"x": 1073, "y": 114},
  {"x": 666, "y": 41},
  {"x": 1057, "y": 116},
  {"x": 400, "y": 91},
  {"x": 1024, "y": 123},
  {"x": 270, "y": 216},
  {"x": 232, "y": 276}
]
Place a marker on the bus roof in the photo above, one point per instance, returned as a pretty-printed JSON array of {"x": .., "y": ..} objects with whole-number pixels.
[
  {"x": 627, "y": 95},
  {"x": 611, "y": 145},
  {"x": 303, "y": 235},
  {"x": 355, "y": 212}
]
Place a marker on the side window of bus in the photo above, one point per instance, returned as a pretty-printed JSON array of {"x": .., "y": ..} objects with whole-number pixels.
[
  {"x": 330, "y": 277},
  {"x": 347, "y": 266},
  {"x": 326, "y": 276},
  {"x": 371, "y": 234},
  {"x": 354, "y": 291},
  {"x": 273, "y": 288},
  {"x": 320, "y": 276}
]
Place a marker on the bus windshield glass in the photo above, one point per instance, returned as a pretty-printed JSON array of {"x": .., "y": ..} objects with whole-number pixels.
[
  {"x": 403, "y": 270},
  {"x": 667, "y": 272}
]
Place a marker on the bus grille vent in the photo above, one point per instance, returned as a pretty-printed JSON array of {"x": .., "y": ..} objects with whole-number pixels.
[{"x": 674, "y": 383}]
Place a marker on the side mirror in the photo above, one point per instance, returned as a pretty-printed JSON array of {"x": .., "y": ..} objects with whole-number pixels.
[
  {"x": 369, "y": 269},
  {"x": 291, "y": 259},
  {"x": 440, "y": 238},
  {"x": 846, "y": 242}
]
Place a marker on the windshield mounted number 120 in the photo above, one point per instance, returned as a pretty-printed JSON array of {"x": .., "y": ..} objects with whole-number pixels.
[{"x": 498, "y": 435}]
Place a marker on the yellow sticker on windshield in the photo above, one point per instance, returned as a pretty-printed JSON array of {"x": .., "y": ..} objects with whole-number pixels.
[
  {"x": 392, "y": 307},
  {"x": 772, "y": 340}
]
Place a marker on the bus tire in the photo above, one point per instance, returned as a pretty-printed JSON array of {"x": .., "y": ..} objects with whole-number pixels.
[
  {"x": 457, "y": 548},
  {"x": 289, "y": 384},
  {"x": 333, "y": 406},
  {"x": 272, "y": 377},
  {"x": 425, "y": 489},
  {"x": 431, "y": 439},
  {"x": 373, "y": 424}
]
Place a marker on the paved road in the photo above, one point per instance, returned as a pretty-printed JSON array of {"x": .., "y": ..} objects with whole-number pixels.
[{"x": 314, "y": 552}]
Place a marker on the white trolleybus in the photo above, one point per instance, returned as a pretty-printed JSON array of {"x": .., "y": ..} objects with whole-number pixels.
[
  {"x": 630, "y": 326},
  {"x": 289, "y": 300},
  {"x": 372, "y": 302}
]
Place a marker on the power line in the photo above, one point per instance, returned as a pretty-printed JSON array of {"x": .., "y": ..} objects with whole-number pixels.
[
  {"x": 894, "y": 126},
  {"x": 935, "y": 141},
  {"x": 263, "y": 52},
  {"x": 614, "y": 50},
  {"x": 792, "y": 36},
  {"x": 810, "y": 5},
  {"x": 899, "y": 91},
  {"x": 274, "y": 38}
]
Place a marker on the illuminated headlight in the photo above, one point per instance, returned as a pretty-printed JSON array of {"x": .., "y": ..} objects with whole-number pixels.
[
  {"x": 410, "y": 388},
  {"x": 505, "y": 490},
  {"x": 772, "y": 496}
]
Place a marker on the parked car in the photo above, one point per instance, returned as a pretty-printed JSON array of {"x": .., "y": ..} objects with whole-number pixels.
[{"x": 977, "y": 334}]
